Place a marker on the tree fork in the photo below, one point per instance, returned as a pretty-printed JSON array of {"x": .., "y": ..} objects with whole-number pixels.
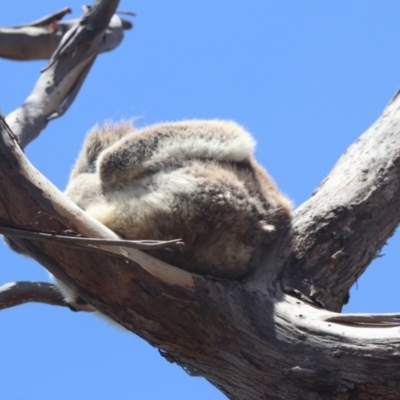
[{"x": 274, "y": 335}]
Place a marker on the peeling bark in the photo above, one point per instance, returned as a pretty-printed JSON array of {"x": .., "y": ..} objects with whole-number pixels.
[{"x": 344, "y": 225}]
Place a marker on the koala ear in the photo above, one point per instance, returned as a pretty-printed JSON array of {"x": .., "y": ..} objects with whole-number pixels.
[
  {"x": 97, "y": 140},
  {"x": 110, "y": 164},
  {"x": 92, "y": 148}
]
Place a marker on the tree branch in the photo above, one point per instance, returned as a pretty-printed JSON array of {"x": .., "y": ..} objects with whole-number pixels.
[
  {"x": 48, "y": 19},
  {"x": 366, "y": 319},
  {"x": 60, "y": 82},
  {"x": 216, "y": 329},
  {"x": 17, "y": 293},
  {"x": 342, "y": 228},
  {"x": 39, "y": 39}
]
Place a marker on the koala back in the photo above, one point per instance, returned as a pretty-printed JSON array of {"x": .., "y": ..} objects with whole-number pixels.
[{"x": 195, "y": 180}]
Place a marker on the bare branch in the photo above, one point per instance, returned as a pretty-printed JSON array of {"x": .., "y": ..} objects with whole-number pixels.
[
  {"x": 82, "y": 242},
  {"x": 39, "y": 39},
  {"x": 48, "y": 19},
  {"x": 60, "y": 82},
  {"x": 86, "y": 33},
  {"x": 30, "y": 43},
  {"x": 17, "y": 293}
]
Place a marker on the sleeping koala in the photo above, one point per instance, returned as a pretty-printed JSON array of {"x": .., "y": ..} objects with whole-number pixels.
[{"x": 193, "y": 180}]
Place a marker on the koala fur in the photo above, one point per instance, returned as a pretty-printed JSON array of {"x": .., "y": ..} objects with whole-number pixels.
[
  {"x": 194, "y": 180},
  {"x": 191, "y": 180}
]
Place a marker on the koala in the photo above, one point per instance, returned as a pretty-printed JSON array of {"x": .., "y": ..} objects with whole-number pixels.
[{"x": 192, "y": 180}]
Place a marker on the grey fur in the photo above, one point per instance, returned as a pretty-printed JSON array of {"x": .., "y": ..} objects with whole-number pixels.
[{"x": 195, "y": 180}]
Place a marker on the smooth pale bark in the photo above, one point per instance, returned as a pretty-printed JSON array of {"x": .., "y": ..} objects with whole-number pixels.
[
  {"x": 69, "y": 65},
  {"x": 274, "y": 335},
  {"x": 38, "y": 40}
]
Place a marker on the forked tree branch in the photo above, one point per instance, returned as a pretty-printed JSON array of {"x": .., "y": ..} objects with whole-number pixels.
[
  {"x": 249, "y": 338},
  {"x": 218, "y": 329},
  {"x": 60, "y": 82},
  {"x": 342, "y": 228}
]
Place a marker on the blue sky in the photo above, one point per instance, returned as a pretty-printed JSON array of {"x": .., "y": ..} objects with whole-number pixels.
[{"x": 305, "y": 77}]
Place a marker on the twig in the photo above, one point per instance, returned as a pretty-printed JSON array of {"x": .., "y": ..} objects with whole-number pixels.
[
  {"x": 382, "y": 320},
  {"x": 48, "y": 19},
  {"x": 123, "y": 12},
  {"x": 77, "y": 241}
]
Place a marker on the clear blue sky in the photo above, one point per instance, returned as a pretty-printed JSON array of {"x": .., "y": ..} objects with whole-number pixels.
[{"x": 305, "y": 77}]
